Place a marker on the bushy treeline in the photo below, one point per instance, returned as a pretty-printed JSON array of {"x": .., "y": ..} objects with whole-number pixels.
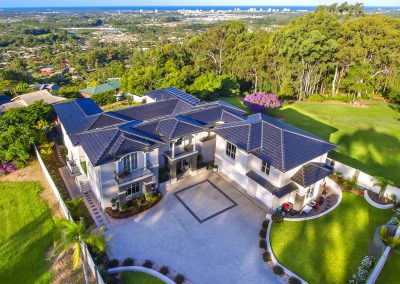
[{"x": 322, "y": 52}]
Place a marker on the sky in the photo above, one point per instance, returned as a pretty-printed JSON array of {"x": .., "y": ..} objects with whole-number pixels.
[{"x": 75, "y": 3}]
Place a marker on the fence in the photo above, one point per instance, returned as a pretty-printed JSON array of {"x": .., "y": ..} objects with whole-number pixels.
[
  {"x": 364, "y": 180},
  {"x": 87, "y": 256}
]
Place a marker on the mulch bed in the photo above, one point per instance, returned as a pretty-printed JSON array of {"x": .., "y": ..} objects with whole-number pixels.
[
  {"x": 375, "y": 197},
  {"x": 116, "y": 214}
]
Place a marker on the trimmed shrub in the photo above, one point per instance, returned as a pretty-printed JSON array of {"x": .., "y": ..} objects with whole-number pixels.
[
  {"x": 148, "y": 264},
  {"x": 278, "y": 270},
  {"x": 294, "y": 280},
  {"x": 263, "y": 244},
  {"x": 277, "y": 217},
  {"x": 179, "y": 279},
  {"x": 128, "y": 262},
  {"x": 113, "y": 263},
  {"x": 164, "y": 270},
  {"x": 263, "y": 233},
  {"x": 266, "y": 256},
  {"x": 367, "y": 262},
  {"x": 265, "y": 224}
]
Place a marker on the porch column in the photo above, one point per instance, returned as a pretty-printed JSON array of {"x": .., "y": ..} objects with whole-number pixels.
[
  {"x": 172, "y": 171},
  {"x": 144, "y": 160},
  {"x": 193, "y": 163},
  {"x": 173, "y": 150},
  {"x": 194, "y": 142}
]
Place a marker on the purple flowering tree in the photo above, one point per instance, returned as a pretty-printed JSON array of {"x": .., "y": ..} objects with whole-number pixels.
[
  {"x": 7, "y": 168},
  {"x": 259, "y": 102}
]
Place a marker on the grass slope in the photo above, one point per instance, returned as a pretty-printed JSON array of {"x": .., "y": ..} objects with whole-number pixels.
[
  {"x": 328, "y": 249},
  {"x": 136, "y": 277},
  {"x": 26, "y": 234},
  {"x": 390, "y": 272}
]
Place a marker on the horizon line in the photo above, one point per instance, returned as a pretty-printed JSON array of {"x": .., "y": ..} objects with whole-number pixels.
[{"x": 169, "y": 5}]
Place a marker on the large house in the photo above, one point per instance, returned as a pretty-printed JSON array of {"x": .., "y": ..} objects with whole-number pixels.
[{"x": 120, "y": 152}]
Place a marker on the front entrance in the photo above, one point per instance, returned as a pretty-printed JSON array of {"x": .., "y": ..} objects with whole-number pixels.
[{"x": 183, "y": 167}]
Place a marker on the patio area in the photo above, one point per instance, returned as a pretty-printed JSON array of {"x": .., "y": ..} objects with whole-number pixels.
[
  {"x": 203, "y": 228},
  {"x": 331, "y": 198}
]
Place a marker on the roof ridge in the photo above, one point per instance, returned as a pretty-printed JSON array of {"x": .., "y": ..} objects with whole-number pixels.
[
  {"x": 282, "y": 151},
  {"x": 108, "y": 146}
]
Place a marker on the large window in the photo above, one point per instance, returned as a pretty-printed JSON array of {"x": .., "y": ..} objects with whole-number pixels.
[
  {"x": 230, "y": 150},
  {"x": 130, "y": 162},
  {"x": 132, "y": 189},
  {"x": 310, "y": 191},
  {"x": 265, "y": 168}
]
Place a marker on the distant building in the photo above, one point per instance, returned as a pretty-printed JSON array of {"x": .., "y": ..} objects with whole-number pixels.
[
  {"x": 48, "y": 70},
  {"x": 112, "y": 85},
  {"x": 48, "y": 87},
  {"x": 64, "y": 63},
  {"x": 29, "y": 99}
]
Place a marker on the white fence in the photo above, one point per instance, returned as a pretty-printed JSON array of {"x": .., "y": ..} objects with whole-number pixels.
[
  {"x": 364, "y": 180},
  {"x": 68, "y": 216}
]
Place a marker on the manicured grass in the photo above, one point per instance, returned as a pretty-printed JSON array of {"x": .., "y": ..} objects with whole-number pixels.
[
  {"x": 328, "y": 249},
  {"x": 26, "y": 234},
  {"x": 136, "y": 277},
  {"x": 389, "y": 273}
]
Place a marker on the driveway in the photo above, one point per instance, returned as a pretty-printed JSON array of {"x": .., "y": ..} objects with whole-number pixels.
[{"x": 203, "y": 228}]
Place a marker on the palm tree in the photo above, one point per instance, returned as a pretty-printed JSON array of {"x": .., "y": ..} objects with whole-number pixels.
[
  {"x": 382, "y": 183},
  {"x": 72, "y": 235}
]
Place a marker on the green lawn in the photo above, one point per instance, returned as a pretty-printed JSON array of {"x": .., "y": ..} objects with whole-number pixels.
[
  {"x": 328, "y": 249},
  {"x": 369, "y": 138},
  {"x": 136, "y": 277},
  {"x": 390, "y": 272},
  {"x": 26, "y": 234}
]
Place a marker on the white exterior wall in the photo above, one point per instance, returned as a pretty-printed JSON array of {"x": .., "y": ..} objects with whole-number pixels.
[
  {"x": 234, "y": 169},
  {"x": 244, "y": 162},
  {"x": 347, "y": 172}
]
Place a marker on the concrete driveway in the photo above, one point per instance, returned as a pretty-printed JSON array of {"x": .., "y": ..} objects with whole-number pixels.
[{"x": 203, "y": 228}]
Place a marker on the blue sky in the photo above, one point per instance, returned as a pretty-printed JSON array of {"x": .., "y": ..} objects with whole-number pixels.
[{"x": 64, "y": 3}]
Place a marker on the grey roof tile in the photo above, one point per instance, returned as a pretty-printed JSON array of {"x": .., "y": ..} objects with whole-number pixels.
[
  {"x": 276, "y": 191},
  {"x": 311, "y": 173}
]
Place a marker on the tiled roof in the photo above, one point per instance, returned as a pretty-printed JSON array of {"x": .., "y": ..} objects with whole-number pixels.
[
  {"x": 281, "y": 145},
  {"x": 76, "y": 115},
  {"x": 171, "y": 92},
  {"x": 102, "y": 88},
  {"x": 311, "y": 173},
  {"x": 152, "y": 110},
  {"x": 276, "y": 191}
]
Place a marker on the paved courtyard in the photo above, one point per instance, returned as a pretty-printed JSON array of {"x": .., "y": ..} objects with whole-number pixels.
[{"x": 203, "y": 228}]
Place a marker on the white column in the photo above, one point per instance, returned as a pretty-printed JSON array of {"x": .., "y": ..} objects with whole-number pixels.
[
  {"x": 194, "y": 142},
  {"x": 144, "y": 160},
  {"x": 173, "y": 150}
]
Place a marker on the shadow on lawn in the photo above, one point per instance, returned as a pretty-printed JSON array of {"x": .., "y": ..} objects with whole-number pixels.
[
  {"x": 26, "y": 251},
  {"x": 373, "y": 143}
]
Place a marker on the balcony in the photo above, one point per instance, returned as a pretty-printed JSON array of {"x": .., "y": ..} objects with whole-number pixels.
[
  {"x": 124, "y": 177},
  {"x": 188, "y": 150},
  {"x": 73, "y": 168}
]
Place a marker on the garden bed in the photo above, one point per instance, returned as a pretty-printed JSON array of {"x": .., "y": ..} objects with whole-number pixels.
[
  {"x": 133, "y": 210},
  {"x": 375, "y": 197}
]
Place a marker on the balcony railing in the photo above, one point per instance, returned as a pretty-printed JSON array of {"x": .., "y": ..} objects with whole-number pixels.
[{"x": 137, "y": 173}]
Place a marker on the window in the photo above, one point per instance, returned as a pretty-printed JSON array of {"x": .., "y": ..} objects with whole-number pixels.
[
  {"x": 132, "y": 189},
  {"x": 265, "y": 168},
  {"x": 130, "y": 162},
  {"x": 230, "y": 150},
  {"x": 310, "y": 191}
]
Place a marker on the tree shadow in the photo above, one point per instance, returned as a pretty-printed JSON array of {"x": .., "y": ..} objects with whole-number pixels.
[
  {"x": 26, "y": 250},
  {"x": 377, "y": 153}
]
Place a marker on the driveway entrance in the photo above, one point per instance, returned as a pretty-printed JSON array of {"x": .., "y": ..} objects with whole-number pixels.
[{"x": 203, "y": 228}]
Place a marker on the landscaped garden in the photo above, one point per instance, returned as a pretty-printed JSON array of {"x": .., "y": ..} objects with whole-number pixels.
[
  {"x": 137, "y": 277},
  {"x": 389, "y": 273},
  {"x": 330, "y": 248},
  {"x": 26, "y": 234}
]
